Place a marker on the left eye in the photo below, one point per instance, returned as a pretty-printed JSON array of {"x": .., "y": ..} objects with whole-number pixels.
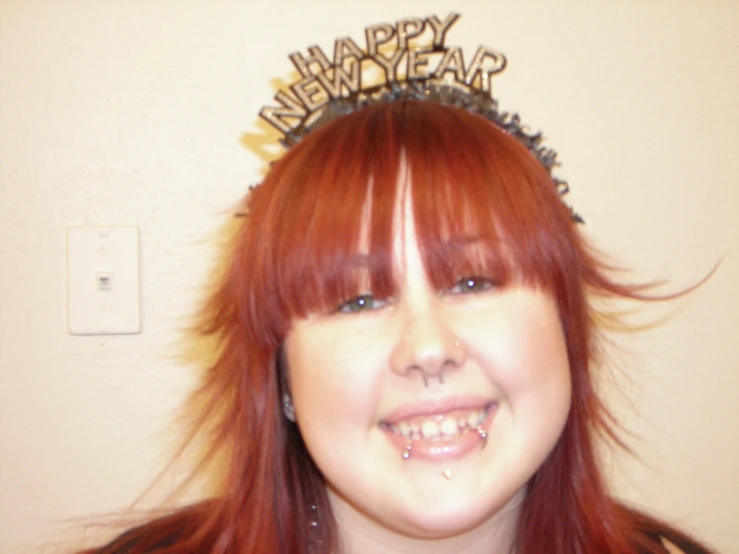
[
  {"x": 471, "y": 284},
  {"x": 362, "y": 303}
]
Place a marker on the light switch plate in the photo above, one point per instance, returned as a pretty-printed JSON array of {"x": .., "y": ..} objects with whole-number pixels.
[{"x": 103, "y": 285}]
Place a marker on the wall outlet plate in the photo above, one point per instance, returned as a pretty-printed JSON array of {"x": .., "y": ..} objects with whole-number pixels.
[{"x": 103, "y": 283}]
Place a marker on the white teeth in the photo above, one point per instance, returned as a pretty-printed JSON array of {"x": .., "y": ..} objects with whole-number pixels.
[
  {"x": 439, "y": 427},
  {"x": 449, "y": 427},
  {"x": 430, "y": 429},
  {"x": 404, "y": 429}
]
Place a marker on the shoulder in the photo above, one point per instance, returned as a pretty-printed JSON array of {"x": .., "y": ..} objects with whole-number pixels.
[{"x": 671, "y": 547}]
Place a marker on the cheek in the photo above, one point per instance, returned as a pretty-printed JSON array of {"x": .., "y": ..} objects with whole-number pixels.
[
  {"x": 525, "y": 355},
  {"x": 333, "y": 381},
  {"x": 541, "y": 356}
]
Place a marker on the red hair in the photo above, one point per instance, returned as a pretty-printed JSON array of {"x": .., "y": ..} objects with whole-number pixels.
[{"x": 290, "y": 257}]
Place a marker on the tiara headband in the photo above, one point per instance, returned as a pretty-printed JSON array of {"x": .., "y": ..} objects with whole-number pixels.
[{"x": 407, "y": 60}]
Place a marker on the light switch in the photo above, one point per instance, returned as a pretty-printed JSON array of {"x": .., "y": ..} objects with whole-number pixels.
[{"x": 103, "y": 290}]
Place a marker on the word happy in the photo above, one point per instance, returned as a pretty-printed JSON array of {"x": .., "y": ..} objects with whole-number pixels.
[{"x": 412, "y": 51}]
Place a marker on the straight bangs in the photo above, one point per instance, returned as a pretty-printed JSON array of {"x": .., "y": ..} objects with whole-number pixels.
[
  {"x": 483, "y": 206},
  {"x": 324, "y": 214}
]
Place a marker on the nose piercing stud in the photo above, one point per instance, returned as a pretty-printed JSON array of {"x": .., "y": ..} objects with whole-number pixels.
[
  {"x": 407, "y": 451},
  {"x": 456, "y": 343}
]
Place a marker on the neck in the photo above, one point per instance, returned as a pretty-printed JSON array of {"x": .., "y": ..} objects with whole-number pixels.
[{"x": 361, "y": 534}]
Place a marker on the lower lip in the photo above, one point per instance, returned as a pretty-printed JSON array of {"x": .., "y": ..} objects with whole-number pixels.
[{"x": 447, "y": 449}]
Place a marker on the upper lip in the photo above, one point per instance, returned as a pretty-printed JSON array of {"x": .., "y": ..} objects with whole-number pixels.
[{"x": 439, "y": 406}]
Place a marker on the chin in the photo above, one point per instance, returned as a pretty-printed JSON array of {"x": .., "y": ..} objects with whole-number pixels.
[{"x": 449, "y": 517}]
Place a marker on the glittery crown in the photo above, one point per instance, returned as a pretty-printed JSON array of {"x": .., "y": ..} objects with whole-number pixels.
[{"x": 407, "y": 60}]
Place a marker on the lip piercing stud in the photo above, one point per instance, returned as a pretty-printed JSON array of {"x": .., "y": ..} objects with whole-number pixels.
[
  {"x": 407, "y": 452},
  {"x": 448, "y": 474},
  {"x": 483, "y": 436}
]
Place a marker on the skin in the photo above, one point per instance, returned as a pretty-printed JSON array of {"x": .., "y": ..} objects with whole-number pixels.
[{"x": 349, "y": 370}]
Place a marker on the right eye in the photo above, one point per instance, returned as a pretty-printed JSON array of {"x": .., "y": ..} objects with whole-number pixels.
[{"x": 362, "y": 303}]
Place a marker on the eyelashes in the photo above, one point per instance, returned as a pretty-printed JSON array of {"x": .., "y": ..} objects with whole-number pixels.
[
  {"x": 470, "y": 285},
  {"x": 368, "y": 302},
  {"x": 362, "y": 303}
]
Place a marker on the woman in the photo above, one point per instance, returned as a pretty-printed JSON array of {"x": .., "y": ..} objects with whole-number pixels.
[{"x": 406, "y": 349}]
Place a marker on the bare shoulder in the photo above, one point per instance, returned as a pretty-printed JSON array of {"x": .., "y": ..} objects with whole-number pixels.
[
  {"x": 671, "y": 547},
  {"x": 677, "y": 543}
]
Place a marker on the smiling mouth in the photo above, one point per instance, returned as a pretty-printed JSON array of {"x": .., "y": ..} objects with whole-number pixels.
[{"x": 440, "y": 427}]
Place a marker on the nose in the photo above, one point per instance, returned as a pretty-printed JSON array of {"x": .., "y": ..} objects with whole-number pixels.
[{"x": 427, "y": 347}]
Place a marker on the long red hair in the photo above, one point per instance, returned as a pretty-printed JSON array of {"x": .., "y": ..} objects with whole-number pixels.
[{"x": 287, "y": 259}]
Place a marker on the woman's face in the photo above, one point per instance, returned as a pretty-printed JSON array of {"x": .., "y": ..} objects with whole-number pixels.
[{"x": 475, "y": 379}]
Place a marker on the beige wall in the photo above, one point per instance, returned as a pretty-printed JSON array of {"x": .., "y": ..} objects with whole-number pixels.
[{"x": 132, "y": 112}]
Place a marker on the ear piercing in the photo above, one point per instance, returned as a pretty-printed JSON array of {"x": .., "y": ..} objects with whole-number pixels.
[
  {"x": 314, "y": 516},
  {"x": 288, "y": 408}
]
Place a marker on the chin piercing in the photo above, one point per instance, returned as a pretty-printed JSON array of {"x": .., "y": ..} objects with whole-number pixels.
[
  {"x": 407, "y": 451},
  {"x": 448, "y": 474},
  {"x": 483, "y": 436}
]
